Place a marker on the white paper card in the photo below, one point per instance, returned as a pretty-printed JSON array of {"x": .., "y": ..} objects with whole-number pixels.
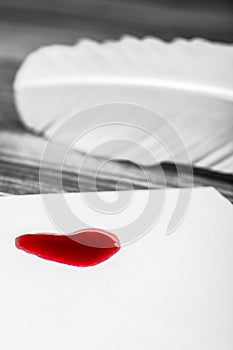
[{"x": 165, "y": 292}]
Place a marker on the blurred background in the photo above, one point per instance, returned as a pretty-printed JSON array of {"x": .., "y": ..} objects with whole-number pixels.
[{"x": 26, "y": 24}]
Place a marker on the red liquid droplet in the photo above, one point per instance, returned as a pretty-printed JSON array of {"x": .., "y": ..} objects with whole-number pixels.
[{"x": 83, "y": 248}]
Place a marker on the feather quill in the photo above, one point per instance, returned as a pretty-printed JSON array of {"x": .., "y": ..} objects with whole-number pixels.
[{"x": 188, "y": 82}]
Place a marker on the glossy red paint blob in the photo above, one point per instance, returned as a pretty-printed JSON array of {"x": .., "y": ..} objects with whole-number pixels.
[{"x": 83, "y": 248}]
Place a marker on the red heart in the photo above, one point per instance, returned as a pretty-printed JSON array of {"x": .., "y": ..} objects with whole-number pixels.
[{"x": 83, "y": 248}]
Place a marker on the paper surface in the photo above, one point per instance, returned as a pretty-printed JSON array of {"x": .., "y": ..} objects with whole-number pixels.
[{"x": 167, "y": 292}]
